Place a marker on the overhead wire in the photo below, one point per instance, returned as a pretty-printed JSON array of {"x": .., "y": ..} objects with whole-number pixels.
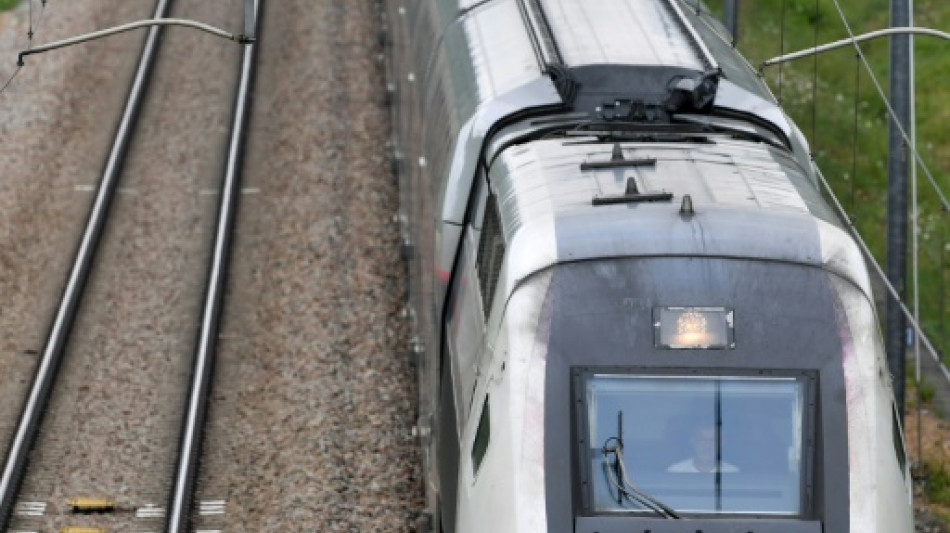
[
  {"x": 782, "y": 48},
  {"x": 866, "y": 251},
  {"x": 33, "y": 28},
  {"x": 945, "y": 203},
  {"x": 911, "y": 144},
  {"x": 39, "y": 20},
  {"x": 814, "y": 84},
  {"x": 854, "y": 132},
  {"x": 943, "y": 278}
]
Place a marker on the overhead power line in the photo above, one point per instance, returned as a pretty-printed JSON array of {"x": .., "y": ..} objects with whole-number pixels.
[
  {"x": 855, "y": 42},
  {"x": 240, "y": 38}
]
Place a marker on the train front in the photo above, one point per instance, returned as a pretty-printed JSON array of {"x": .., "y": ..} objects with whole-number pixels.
[{"x": 706, "y": 364}]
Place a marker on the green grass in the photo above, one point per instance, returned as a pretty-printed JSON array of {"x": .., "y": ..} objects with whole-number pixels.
[
  {"x": 855, "y": 158},
  {"x": 927, "y": 392},
  {"x": 6, "y": 5},
  {"x": 938, "y": 482}
]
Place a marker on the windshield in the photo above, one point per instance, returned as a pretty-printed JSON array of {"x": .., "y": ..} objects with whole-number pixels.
[{"x": 697, "y": 444}]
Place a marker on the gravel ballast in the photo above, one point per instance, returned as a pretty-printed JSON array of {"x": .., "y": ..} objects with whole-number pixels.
[
  {"x": 111, "y": 429},
  {"x": 313, "y": 406},
  {"x": 56, "y": 122},
  {"x": 313, "y": 403}
]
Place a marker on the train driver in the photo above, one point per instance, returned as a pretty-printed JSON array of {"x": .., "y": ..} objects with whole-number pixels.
[{"x": 704, "y": 445}]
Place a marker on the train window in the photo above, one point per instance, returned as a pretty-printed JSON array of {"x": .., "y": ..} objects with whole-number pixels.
[
  {"x": 482, "y": 436},
  {"x": 697, "y": 445},
  {"x": 491, "y": 253}
]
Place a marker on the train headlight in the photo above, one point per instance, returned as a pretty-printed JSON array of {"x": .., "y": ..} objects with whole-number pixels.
[{"x": 703, "y": 328}]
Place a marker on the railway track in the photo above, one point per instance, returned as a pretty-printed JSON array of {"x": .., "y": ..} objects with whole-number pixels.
[
  {"x": 311, "y": 415},
  {"x": 103, "y": 420},
  {"x": 310, "y": 425}
]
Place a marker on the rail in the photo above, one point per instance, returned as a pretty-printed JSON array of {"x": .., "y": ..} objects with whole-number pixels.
[
  {"x": 24, "y": 439},
  {"x": 186, "y": 471}
]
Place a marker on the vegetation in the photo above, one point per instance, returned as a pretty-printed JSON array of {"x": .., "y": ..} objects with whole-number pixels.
[
  {"x": 927, "y": 392},
  {"x": 6, "y": 5},
  {"x": 927, "y": 437},
  {"x": 938, "y": 482},
  {"x": 834, "y": 102}
]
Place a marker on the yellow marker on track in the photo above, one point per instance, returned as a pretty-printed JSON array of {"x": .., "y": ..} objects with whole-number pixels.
[
  {"x": 74, "y": 529},
  {"x": 91, "y": 505}
]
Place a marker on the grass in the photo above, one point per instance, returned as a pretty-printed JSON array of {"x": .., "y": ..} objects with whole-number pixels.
[
  {"x": 6, "y": 5},
  {"x": 930, "y": 454},
  {"x": 835, "y": 104},
  {"x": 938, "y": 482},
  {"x": 927, "y": 392}
]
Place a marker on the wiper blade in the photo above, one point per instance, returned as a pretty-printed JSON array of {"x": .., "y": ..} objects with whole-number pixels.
[
  {"x": 629, "y": 491},
  {"x": 616, "y": 475}
]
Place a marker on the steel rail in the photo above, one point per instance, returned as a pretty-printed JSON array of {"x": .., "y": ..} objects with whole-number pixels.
[
  {"x": 157, "y": 21},
  {"x": 17, "y": 459},
  {"x": 179, "y": 508}
]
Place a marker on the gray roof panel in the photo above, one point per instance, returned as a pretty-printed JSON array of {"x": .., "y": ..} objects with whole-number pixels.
[
  {"x": 751, "y": 200},
  {"x": 629, "y": 32},
  {"x": 544, "y": 177}
]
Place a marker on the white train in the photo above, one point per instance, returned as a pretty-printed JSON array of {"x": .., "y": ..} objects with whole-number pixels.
[{"x": 633, "y": 309}]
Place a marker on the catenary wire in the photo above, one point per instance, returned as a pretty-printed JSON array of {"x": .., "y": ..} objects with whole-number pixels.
[
  {"x": 33, "y": 29},
  {"x": 866, "y": 251},
  {"x": 890, "y": 110},
  {"x": 781, "y": 41},
  {"x": 854, "y": 132},
  {"x": 814, "y": 85}
]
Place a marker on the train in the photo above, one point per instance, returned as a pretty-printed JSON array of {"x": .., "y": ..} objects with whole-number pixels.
[{"x": 633, "y": 308}]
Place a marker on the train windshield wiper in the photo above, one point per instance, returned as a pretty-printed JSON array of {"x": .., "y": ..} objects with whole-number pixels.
[{"x": 615, "y": 474}]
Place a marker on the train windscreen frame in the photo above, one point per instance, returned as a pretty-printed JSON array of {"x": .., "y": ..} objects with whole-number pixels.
[{"x": 695, "y": 443}]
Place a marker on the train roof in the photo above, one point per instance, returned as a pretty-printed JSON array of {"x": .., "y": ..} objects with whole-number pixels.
[
  {"x": 748, "y": 200},
  {"x": 629, "y": 32},
  {"x": 510, "y": 68},
  {"x": 581, "y": 33},
  {"x": 502, "y": 57}
]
